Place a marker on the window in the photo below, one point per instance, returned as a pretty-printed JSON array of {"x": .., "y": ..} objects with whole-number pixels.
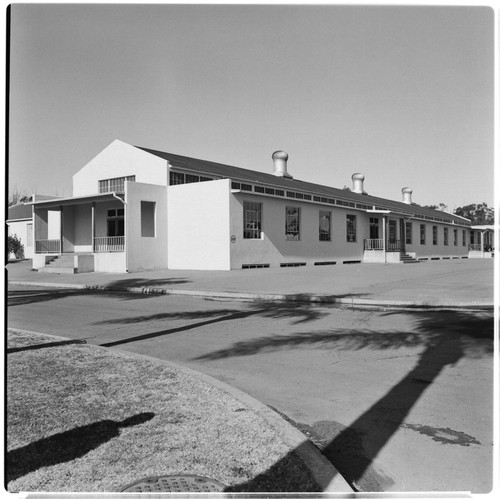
[
  {"x": 464, "y": 237},
  {"x": 252, "y": 220},
  {"x": 324, "y": 225},
  {"x": 116, "y": 223},
  {"x": 455, "y": 237},
  {"x": 114, "y": 184},
  {"x": 351, "y": 228},
  {"x": 177, "y": 178},
  {"x": 408, "y": 231},
  {"x": 190, "y": 179},
  {"x": 434, "y": 235},
  {"x": 292, "y": 224},
  {"x": 471, "y": 237},
  {"x": 445, "y": 236},
  {"x": 422, "y": 233},
  {"x": 148, "y": 209}
]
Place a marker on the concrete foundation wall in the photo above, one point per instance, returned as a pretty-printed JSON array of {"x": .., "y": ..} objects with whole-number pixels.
[{"x": 110, "y": 262}]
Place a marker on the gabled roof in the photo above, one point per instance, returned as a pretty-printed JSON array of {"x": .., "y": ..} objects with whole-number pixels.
[
  {"x": 268, "y": 179},
  {"x": 19, "y": 211}
]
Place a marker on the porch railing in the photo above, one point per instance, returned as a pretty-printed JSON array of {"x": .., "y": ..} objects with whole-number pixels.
[
  {"x": 374, "y": 244},
  {"x": 394, "y": 245},
  {"x": 48, "y": 246},
  {"x": 378, "y": 244},
  {"x": 474, "y": 247},
  {"x": 109, "y": 244}
]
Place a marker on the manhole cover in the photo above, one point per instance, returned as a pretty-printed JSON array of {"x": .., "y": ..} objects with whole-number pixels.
[{"x": 175, "y": 483}]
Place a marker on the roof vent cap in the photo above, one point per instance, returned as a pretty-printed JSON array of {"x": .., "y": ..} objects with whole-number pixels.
[
  {"x": 357, "y": 183},
  {"x": 279, "y": 159},
  {"x": 407, "y": 192}
]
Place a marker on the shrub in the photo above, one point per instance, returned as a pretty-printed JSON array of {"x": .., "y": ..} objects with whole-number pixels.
[{"x": 15, "y": 246}]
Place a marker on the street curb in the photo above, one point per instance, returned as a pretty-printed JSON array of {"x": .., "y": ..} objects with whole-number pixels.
[
  {"x": 325, "y": 474},
  {"x": 240, "y": 296}
]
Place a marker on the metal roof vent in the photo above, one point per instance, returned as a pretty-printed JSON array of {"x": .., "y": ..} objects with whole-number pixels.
[
  {"x": 357, "y": 183},
  {"x": 407, "y": 192},
  {"x": 279, "y": 159}
]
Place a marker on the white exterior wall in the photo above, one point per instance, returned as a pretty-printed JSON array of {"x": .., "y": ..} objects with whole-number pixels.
[
  {"x": 273, "y": 248},
  {"x": 110, "y": 262},
  {"x": 54, "y": 224},
  {"x": 83, "y": 228},
  {"x": 430, "y": 250},
  {"x": 198, "y": 226},
  {"x": 144, "y": 253},
  {"x": 120, "y": 160},
  {"x": 20, "y": 230}
]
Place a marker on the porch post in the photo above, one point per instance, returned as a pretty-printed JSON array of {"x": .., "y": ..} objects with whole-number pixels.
[
  {"x": 482, "y": 241},
  {"x": 61, "y": 229},
  {"x": 93, "y": 226},
  {"x": 383, "y": 237}
]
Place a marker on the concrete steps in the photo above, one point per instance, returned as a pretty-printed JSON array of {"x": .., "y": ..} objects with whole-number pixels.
[
  {"x": 69, "y": 263},
  {"x": 61, "y": 264},
  {"x": 405, "y": 258}
]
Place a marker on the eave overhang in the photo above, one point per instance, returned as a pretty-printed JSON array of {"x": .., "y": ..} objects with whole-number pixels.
[{"x": 71, "y": 201}]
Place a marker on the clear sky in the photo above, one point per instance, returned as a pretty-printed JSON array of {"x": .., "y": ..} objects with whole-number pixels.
[{"x": 401, "y": 94}]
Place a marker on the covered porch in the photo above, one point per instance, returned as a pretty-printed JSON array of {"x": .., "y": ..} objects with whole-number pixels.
[
  {"x": 386, "y": 243},
  {"x": 83, "y": 234},
  {"x": 482, "y": 241}
]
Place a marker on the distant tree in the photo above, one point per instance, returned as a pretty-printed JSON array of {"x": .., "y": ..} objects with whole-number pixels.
[
  {"x": 440, "y": 206},
  {"x": 478, "y": 214},
  {"x": 17, "y": 197}
]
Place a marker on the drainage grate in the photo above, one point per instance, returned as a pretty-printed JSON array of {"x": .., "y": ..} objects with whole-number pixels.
[{"x": 175, "y": 483}]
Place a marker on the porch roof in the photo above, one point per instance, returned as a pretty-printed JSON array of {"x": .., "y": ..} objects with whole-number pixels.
[{"x": 93, "y": 198}]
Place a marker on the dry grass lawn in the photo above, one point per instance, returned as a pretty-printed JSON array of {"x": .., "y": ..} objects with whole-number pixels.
[{"x": 86, "y": 419}]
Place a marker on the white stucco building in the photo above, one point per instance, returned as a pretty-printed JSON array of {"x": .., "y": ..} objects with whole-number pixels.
[{"x": 134, "y": 209}]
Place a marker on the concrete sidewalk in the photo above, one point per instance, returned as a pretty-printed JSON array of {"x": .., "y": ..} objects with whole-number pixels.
[{"x": 443, "y": 283}]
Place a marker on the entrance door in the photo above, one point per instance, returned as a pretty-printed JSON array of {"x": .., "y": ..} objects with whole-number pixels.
[
  {"x": 402, "y": 232},
  {"x": 392, "y": 243},
  {"x": 374, "y": 228}
]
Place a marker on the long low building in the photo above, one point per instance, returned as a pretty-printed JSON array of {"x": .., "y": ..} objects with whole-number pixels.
[{"x": 135, "y": 209}]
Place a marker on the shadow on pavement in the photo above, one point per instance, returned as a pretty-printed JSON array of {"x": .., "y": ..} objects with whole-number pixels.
[
  {"x": 66, "y": 446},
  {"x": 446, "y": 337},
  {"x": 45, "y": 345},
  {"x": 302, "y": 312}
]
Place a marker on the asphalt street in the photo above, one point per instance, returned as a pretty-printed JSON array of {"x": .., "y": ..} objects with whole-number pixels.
[{"x": 398, "y": 400}]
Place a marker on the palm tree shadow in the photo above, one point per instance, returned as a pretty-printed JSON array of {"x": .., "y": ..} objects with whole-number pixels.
[
  {"x": 66, "y": 446},
  {"x": 447, "y": 337}
]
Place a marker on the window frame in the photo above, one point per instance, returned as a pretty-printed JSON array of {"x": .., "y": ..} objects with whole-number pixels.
[
  {"x": 445, "y": 236},
  {"x": 248, "y": 231},
  {"x": 292, "y": 234},
  {"x": 116, "y": 184},
  {"x": 422, "y": 234},
  {"x": 351, "y": 228},
  {"x": 435, "y": 237},
  {"x": 408, "y": 233},
  {"x": 325, "y": 236}
]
